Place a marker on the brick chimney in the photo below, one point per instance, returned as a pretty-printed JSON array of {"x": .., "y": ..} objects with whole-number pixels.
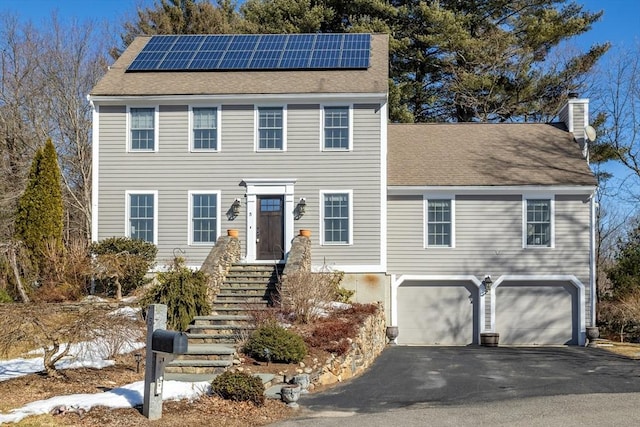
[{"x": 575, "y": 115}]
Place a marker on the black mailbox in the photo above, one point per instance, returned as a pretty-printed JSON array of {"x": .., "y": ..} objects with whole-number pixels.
[{"x": 169, "y": 341}]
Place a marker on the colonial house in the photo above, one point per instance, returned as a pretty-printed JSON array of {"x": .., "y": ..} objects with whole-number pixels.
[{"x": 459, "y": 229}]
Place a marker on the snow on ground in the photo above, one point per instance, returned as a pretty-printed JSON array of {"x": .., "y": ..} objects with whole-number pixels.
[
  {"x": 126, "y": 396},
  {"x": 92, "y": 354}
]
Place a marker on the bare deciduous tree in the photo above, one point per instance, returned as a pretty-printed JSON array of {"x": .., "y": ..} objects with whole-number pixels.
[{"x": 52, "y": 327}]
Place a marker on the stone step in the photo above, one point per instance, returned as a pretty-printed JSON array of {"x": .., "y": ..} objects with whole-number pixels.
[
  {"x": 198, "y": 366},
  {"x": 228, "y": 339},
  {"x": 208, "y": 349},
  {"x": 250, "y": 268},
  {"x": 237, "y": 311},
  {"x": 249, "y": 281},
  {"x": 256, "y": 295},
  {"x": 245, "y": 288},
  {"x": 219, "y": 329},
  {"x": 249, "y": 303},
  {"x": 241, "y": 299},
  {"x": 231, "y": 319}
]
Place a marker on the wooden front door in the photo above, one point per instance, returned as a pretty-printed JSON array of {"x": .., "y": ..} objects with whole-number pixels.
[{"x": 270, "y": 228}]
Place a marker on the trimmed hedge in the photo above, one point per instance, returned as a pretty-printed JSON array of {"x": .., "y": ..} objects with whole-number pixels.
[
  {"x": 274, "y": 343},
  {"x": 239, "y": 386}
]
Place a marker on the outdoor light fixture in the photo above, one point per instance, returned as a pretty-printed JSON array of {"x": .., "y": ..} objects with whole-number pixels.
[
  {"x": 235, "y": 207},
  {"x": 301, "y": 208},
  {"x": 138, "y": 357},
  {"x": 487, "y": 283}
]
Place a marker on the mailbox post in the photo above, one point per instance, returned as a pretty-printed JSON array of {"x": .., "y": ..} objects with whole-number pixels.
[{"x": 162, "y": 348}]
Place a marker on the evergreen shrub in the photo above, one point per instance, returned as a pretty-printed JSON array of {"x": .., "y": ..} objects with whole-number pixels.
[
  {"x": 272, "y": 342},
  {"x": 239, "y": 386},
  {"x": 183, "y": 291},
  {"x": 39, "y": 219},
  {"x": 136, "y": 258}
]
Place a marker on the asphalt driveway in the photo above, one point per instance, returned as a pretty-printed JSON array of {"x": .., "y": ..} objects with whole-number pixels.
[{"x": 410, "y": 377}]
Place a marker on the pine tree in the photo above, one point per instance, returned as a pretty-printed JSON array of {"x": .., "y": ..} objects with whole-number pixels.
[
  {"x": 625, "y": 273},
  {"x": 450, "y": 60},
  {"x": 39, "y": 220},
  {"x": 184, "y": 17}
]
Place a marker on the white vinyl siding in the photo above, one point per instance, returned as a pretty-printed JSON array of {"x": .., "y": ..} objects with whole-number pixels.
[
  {"x": 538, "y": 222},
  {"x": 205, "y": 128},
  {"x": 204, "y": 214},
  {"x": 336, "y": 217},
  {"x": 141, "y": 215},
  {"x": 337, "y": 128},
  {"x": 271, "y": 129},
  {"x": 143, "y": 129}
]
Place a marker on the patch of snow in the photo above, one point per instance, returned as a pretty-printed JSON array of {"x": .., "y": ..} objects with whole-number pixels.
[
  {"x": 127, "y": 312},
  {"x": 126, "y": 396}
]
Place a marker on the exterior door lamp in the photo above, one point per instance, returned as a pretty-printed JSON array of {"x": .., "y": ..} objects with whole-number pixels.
[
  {"x": 235, "y": 208},
  {"x": 486, "y": 282},
  {"x": 301, "y": 208}
]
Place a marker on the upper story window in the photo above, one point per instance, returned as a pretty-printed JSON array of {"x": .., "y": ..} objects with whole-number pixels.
[
  {"x": 141, "y": 216},
  {"x": 205, "y": 128},
  {"x": 337, "y": 128},
  {"x": 271, "y": 128},
  {"x": 539, "y": 222},
  {"x": 337, "y": 218},
  {"x": 440, "y": 222},
  {"x": 143, "y": 129},
  {"x": 204, "y": 213}
]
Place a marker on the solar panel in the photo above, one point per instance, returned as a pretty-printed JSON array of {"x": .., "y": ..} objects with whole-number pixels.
[{"x": 254, "y": 52}]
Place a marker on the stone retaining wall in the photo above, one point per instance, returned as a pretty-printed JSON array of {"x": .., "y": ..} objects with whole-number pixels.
[
  {"x": 217, "y": 264},
  {"x": 369, "y": 343},
  {"x": 298, "y": 260}
]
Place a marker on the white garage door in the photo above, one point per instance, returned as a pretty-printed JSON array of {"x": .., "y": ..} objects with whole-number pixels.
[
  {"x": 436, "y": 314},
  {"x": 536, "y": 314}
]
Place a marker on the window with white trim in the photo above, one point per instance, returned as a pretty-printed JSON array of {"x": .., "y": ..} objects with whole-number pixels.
[
  {"x": 204, "y": 214},
  {"x": 439, "y": 222},
  {"x": 336, "y": 128},
  {"x": 204, "y": 132},
  {"x": 538, "y": 216},
  {"x": 336, "y": 218},
  {"x": 271, "y": 128},
  {"x": 141, "y": 216},
  {"x": 142, "y": 129}
]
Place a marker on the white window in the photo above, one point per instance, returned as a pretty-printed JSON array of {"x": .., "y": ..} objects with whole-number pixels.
[
  {"x": 337, "y": 217},
  {"x": 271, "y": 128},
  {"x": 336, "y": 129},
  {"x": 141, "y": 215},
  {"x": 538, "y": 222},
  {"x": 204, "y": 217},
  {"x": 143, "y": 129},
  {"x": 205, "y": 128},
  {"x": 439, "y": 221}
]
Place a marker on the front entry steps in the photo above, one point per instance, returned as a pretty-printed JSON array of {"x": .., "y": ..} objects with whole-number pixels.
[{"x": 213, "y": 339}]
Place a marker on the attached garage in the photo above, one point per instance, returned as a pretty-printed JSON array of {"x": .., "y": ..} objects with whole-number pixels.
[
  {"x": 437, "y": 313},
  {"x": 536, "y": 313}
]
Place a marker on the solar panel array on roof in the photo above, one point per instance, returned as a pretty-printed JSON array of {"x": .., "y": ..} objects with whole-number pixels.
[{"x": 254, "y": 52}]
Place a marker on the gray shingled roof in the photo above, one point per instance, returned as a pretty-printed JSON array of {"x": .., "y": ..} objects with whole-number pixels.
[
  {"x": 372, "y": 80},
  {"x": 463, "y": 154}
]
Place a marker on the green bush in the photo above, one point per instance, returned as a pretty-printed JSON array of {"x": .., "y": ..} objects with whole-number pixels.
[
  {"x": 272, "y": 342},
  {"x": 5, "y": 297},
  {"x": 239, "y": 386},
  {"x": 183, "y": 291},
  {"x": 125, "y": 261}
]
